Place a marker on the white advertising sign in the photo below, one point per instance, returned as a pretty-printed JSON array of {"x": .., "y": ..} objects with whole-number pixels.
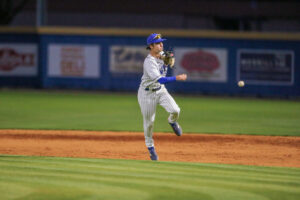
[
  {"x": 78, "y": 61},
  {"x": 127, "y": 59},
  {"x": 18, "y": 60},
  {"x": 265, "y": 66},
  {"x": 205, "y": 64}
]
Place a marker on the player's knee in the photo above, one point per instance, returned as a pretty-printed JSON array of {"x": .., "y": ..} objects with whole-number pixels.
[
  {"x": 176, "y": 111},
  {"x": 149, "y": 124},
  {"x": 149, "y": 127}
]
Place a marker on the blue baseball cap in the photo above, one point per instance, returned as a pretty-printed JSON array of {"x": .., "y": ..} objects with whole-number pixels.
[{"x": 155, "y": 38}]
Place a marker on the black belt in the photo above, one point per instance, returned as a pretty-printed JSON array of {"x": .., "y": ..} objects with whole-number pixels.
[{"x": 154, "y": 89}]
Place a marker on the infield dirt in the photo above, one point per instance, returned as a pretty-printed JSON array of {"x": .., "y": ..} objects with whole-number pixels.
[{"x": 202, "y": 148}]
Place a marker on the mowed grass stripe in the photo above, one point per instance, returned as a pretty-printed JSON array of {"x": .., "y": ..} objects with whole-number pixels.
[
  {"x": 144, "y": 179},
  {"x": 165, "y": 173},
  {"x": 176, "y": 170},
  {"x": 114, "y": 177},
  {"x": 160, "y": 175},
  {"x": 161, "y": 187},
  {"x": 143, "y": 167}
]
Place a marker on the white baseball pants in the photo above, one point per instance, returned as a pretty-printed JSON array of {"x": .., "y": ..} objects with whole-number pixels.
[{"x": 148, "y": 101}]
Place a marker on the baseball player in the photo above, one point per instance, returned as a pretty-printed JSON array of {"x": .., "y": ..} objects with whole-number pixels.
[{"x": 152, "y": 90}]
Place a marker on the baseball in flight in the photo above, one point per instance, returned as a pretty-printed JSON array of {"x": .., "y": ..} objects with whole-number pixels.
[{"x": 241, "y": 83}]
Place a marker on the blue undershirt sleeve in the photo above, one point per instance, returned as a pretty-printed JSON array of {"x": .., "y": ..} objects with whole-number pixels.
[{"x": 164, "y": 80}]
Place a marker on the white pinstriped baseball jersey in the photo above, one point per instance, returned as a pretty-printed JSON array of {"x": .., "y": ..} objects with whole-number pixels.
[
  {"x": 154, "y": 69},
  {"x": 148, "y": 99}
]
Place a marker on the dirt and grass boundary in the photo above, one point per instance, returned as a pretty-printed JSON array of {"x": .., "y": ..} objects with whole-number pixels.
[{"x": 204, "y": 148}]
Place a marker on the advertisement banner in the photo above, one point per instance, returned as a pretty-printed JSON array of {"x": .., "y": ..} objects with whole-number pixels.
[
  {"x": 127, "y": 59},
  {"x": 18, "y": 60},
  {"x": 265, "y": 66},
  {"x": 77, "y": 61},
  {"x": 205, "y": 64}
]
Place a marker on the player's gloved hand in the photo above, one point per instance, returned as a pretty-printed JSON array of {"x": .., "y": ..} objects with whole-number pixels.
[
  {"x": 181, "y": 77},
  {"x": 168, "y": 58}
]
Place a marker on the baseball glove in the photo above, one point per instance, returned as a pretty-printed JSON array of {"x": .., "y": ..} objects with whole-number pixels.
[{"x": 168, "y": 58}]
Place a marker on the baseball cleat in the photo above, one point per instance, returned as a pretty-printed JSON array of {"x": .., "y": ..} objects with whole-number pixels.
[
  {"x": 176, "y": 128},
  {"x": 153, "y": 154}
]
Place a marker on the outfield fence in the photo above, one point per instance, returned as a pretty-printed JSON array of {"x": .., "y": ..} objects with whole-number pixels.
[{"x": 112, "y": 59}]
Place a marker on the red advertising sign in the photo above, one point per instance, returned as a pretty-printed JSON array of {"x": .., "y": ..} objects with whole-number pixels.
[
  {"x": 200, "y": 61},
  {"x": 18, "y": 59},
  {"x": 201, "y": 64}
]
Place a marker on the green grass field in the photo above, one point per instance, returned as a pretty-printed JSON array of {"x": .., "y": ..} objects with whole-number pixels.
[
  {"x": 67, "y": 178},
  {"x": 25, "y": 177},
  {"x": 121, "y": 112}
]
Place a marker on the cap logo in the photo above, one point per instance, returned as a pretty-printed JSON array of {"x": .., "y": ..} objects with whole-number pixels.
[{"x": 158, "y": 36}]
